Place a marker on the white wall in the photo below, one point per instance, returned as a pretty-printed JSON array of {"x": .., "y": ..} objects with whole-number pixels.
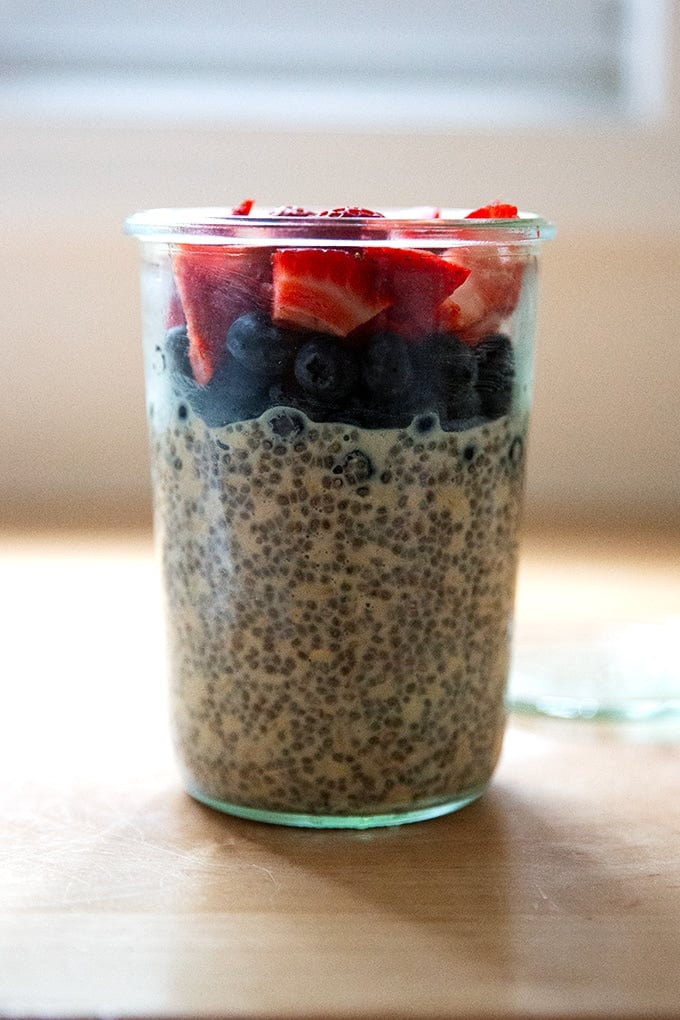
[{"x": 606, "y": 434}]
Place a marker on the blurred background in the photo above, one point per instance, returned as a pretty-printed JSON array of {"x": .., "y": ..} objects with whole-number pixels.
[{"x": 568, "y": 109}]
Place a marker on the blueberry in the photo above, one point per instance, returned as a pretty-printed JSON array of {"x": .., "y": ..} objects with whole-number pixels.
[
  {"x": 326, "y": 369},
  {"x": 386, "y": 367},
  {"x": 461, "y": 406},
  {"x": 372, "y": 417},
  {"x": 233, "y": 394},
  {"x": 425, "y": 423},
  {"x": 452, "y": 359},
  {"x": 289, "y": 394},
  {"x": 495, "y": 374},
  {"x": 260, "y": 346},
  {"x": 447, "y": 374}
]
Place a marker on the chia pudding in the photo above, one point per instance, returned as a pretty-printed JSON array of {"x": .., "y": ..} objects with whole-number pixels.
[{"x": 338, "y": 444}]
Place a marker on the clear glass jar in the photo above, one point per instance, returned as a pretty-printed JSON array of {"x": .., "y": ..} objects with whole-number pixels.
[{"x": 338, "y": 411}]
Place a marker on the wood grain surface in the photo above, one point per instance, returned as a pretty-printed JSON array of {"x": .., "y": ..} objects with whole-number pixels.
[{"x": 555, "y": 895}]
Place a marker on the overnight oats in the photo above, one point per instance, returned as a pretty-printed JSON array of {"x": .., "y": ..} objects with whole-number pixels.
[{"x": 338, "y": 406}]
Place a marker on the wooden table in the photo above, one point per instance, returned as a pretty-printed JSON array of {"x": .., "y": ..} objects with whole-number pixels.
[{"x": 556, "y": 895}]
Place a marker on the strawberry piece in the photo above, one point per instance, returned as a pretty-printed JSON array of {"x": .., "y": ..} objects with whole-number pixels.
[
  {"x": 418, "y": 282},
  {"x": 244, "y": 208},
  {"x": 351, "y": 210},
  {"x": 489, "y": 295},
  {"x": 216, "y": 287},
  {"x": 495, "y": 211},
  {"x": 332, "y": 291}
]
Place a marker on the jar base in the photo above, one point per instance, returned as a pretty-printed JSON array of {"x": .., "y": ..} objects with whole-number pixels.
[{"x": 355, "y": 821}]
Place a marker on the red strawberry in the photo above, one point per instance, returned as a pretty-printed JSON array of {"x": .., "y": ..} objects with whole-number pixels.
[
  {"x": 353, "y": 210},
  {"x": 488, "y": 296},
  {"x": 418, "y": 282},
  {"x": 332, "y": 291},
  {"x": 216, "y": 287},
  {"x": 244, "y": 208},
  {"x": 495, "y": 211}
]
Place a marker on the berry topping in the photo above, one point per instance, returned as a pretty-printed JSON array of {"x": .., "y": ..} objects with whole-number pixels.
[
  {"x": 232, "y": 394},
  {"x": 425, "y": 423},
  {"x": 330, "y": 291},
  {"x": 495, "y": 211},
  {"x": 244, "y": 208},
  {"x": 418, "y": 282},
  {"x": 447, "y": 374},
  {"x": 386, "y": 368},
  {"x": 292, "y": 210},
  {"x": 325, "y": 369},
  {"x": 378, "y": 337},
  {"x": 216, "y": 287},
  {"x": 259, "y": 345},
  {"x": 495, "y": 374},
  {"x": 351, "y": 210},
  {"x": 489, "y": 295}
]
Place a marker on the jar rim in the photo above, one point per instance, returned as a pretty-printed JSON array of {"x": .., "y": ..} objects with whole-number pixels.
[{"x": 213, "y": 225}]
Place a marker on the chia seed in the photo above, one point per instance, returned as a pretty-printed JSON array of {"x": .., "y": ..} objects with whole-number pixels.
[{"x": 355, "y": 660}]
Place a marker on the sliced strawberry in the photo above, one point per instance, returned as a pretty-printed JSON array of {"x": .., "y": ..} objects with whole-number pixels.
[
  {"x": 329, "y": 290},
  {"x": 418, "y": 282},
  {"x": 495, "y": 211},
  {"x": 216, "y": 286},
  {"x": 244, "y": 208},
  {"x": 489, "y": 295},
  {"x": 351, "y": 210}
]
